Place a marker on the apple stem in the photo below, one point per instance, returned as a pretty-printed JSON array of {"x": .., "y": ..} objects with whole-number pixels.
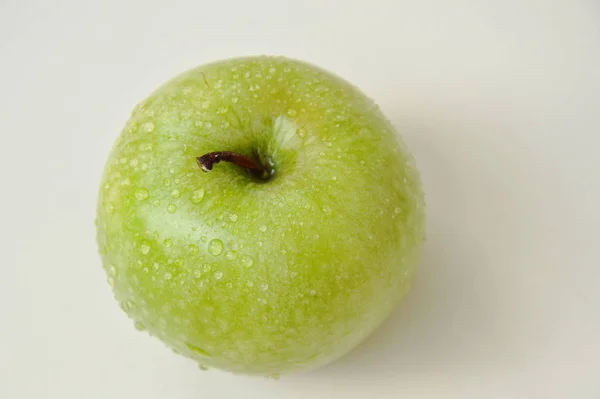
[{"x": 207, "y": 161}]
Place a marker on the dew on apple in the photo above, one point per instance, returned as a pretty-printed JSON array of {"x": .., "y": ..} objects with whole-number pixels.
[
  {"x": 197, "y": 196},
  {"x": 156, "y": 203},
  {"x": 218, "y": 275},
  {"x": 233, "y": 217},
  {"x": 193, "y": 249},
  {"x": 141, "y": 194},
  {"x": 264, "y": 287},
  {"x": 147, "y": 127},
  {"x": 247, "y": 261},
  {"x": 215, "y": 247},
  {"x": 176, "y": 193},
  {"x": 111, "y": 270},
  {"x": 145, "y": 249},
  {"x": 231, "y": 255},
  {"x": 167, "y": 182},
  {"x": 139, "y": 326},
  {"x": 171, "y": 208}
]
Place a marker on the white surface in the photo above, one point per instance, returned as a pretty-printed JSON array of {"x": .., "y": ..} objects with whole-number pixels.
[{"x": 499, "y": 100}]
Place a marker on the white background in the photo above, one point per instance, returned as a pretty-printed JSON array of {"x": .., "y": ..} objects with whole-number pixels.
[{"x": 499, "y": 101}]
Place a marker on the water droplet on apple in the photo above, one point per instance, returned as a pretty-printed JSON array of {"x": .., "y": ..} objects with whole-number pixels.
[
  {"x": 198, "y": 351},
  {"x": 193, "y": 249},
  {"x": 250, "y": 283},
  {"x": 156, "y": 203},
  {"x": 218, "y": 275},
  {"x": 176, "y": 193},
  {"x": 168, "y": 276},
  {"x": 263, "y": 228},
  {"x": 233, "y": 217},
  {"x": 139, "y": 326},
  {"x": 171, "y": 208},
  {"x": 197, "y": 196},
  {"x": 215, "y": 247},
  {"x": 234, "y": 100},
  {"x": 146, "y": 147},
  {"x": 247, "y": 261},
  {"x": 147, "y": 127},
  {"x": 397, "y": 210},
  {"x": 231, "y": 255},
  {"x": 145, "y": 249},
  {"x": 167, "y": 182},
  {"x": 141, "y": 194},
  {"x": 264, "y": 287},
  {"x": 178, "y": 262}
]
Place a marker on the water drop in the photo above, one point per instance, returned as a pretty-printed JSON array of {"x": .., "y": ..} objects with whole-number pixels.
[
  {"x": 231, "y": 255},
  {"x": 247, "y": 261},
  {"x": 139, "y": 326},
  {"x": 167, "y": 182},
  {"x": 233, "y": 217},
  {"x": 264, "y": 287},
  {"x": 197, "y": 196},
  {"x": 176, "y": 193},
  {"x": 193, "y": 249},
  {"x": 146, "y": 147},
  {"x": 145, "y": 249},
  {"x": 141, "y": 194},
  {"x": 171, "y": 208},
  {"x": 198, "y": 351},
  {"x": 172, "y": 171},
  {"x": 397, "y": 210},
  {"x": 234, "y": 100},
  {"x": 218, "y": 275},
  {"x": 168, "y": 242},
  {"x": 313, "y": 292},
  {"x": 147, "y": 127},
  {"x": 263, "y": 228},
  {"x": 168, "y": 276},
  {"x": 215, "y": 247},
  {"x": 156, "y": 203}
]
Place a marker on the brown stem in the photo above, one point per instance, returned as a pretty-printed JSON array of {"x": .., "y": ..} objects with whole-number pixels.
[{"x": 207, "y": 161}]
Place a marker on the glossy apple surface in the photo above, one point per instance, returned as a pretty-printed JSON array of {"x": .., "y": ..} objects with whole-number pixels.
[{"x": 253, "y": 276}]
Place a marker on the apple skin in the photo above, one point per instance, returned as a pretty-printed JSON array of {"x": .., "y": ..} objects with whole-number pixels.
[{"x": 256, "y": 277}]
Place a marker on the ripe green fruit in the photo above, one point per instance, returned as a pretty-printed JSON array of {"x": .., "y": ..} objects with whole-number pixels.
[{"x": 282, "y": 259}]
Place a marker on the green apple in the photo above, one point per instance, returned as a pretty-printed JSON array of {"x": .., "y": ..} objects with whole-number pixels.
[{"x": 288, "y": 253}]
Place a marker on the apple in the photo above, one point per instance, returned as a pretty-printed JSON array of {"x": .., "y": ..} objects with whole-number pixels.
[{"x": 286, "y": 254}]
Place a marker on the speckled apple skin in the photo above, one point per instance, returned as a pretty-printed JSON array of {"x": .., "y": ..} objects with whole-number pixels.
[{"x": 258, "y": 277}]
